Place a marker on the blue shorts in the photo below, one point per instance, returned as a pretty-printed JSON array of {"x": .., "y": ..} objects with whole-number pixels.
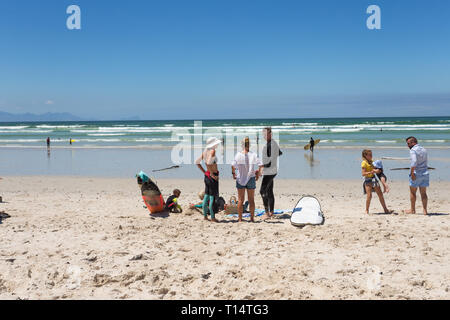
[
  {"x": 251, "y": 184},
  {"x": 422, "y": 180}
]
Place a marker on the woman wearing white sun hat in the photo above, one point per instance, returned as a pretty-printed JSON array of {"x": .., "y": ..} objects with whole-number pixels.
[{"x": 211, "y": 176}]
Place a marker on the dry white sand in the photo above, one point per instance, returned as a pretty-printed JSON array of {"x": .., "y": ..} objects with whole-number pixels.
[{"x": 75, "y": 238}]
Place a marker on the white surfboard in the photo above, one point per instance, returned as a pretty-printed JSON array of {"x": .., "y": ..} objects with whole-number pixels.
[{"x": 307, "y": 211}]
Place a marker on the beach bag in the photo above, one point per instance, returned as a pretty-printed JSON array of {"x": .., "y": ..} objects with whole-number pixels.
[
  {"x": 232, "y": 207},
  {"x": 219, "y": 204}
]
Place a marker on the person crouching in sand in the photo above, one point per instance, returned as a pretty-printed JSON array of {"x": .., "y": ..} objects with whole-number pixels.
[{"x": 370, "y": 182}]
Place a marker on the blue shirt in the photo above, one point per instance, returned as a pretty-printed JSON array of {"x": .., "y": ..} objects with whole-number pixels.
[
  {"x": 419, "y": 159},
  {"x": 378, "y": 164}
]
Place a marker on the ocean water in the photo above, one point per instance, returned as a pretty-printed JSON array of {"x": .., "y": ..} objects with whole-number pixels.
[
  {"x": 123, "y": 148},
  {"x": 291, "y": 133},
  {"x": 325, "y": 163}
]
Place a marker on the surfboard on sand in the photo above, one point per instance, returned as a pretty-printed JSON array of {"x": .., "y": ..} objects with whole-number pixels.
[
  {"x": 316, "y": 142},
  {"x": 395, "y": 169},
  {"x": 307, "y": 211},
  {"x": 393, "y": 158},
  {"x": 150, "y": 193}
]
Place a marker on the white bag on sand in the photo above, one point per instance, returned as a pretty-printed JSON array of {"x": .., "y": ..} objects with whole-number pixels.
[{"x": 307, "y": 211}]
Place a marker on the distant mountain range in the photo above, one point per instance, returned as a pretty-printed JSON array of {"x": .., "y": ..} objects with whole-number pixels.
[{"x": 49, "y": 116}]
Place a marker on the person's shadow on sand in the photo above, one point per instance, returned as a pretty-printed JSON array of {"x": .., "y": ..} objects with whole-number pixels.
[
  {"x": 384, "y": 213},
  {"x": 420, "y": 214},
  {"x": 236, "y": 221},
  {"x": 276, "y": 217},
  {"x": 163, "y": 214}
]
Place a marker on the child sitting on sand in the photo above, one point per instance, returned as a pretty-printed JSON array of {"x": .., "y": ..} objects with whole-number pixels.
[
  {"x": 172, "y": 202},
  {"x": 370, "y": 182},
  {"x": 198, "y": 205},
  {"x": 219, "y": 206},
  {"x": 381, "y": 176}
]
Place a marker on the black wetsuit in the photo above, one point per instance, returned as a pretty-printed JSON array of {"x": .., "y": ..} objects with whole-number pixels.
[
  {"x": 266, "y": 190},
  {"x": 170, "y": 205},
  {"x": 381, "y": 174},
  {"x": 311, "y": 145},
  {"x": 212, "y": 185}
]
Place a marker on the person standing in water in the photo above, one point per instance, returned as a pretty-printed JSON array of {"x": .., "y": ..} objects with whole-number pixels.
[
  {"x": 311, "y": 144},
  {"x": 211, "y": 177},
  {"x": 48, "y": 142},
  {"x": 271, "y": 152}
]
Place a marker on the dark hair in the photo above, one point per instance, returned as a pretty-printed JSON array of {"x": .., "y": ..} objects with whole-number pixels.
[
  {"x": 176, "y": 191},
  {"x": 268, "y": 129},
  {"x": 413, "y": 139}
]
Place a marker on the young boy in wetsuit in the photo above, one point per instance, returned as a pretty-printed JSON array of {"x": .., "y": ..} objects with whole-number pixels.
[{"x": 172, "y": 202}]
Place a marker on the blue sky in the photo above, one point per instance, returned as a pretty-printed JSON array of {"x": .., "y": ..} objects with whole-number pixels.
[{"x": 197, "y": 59}]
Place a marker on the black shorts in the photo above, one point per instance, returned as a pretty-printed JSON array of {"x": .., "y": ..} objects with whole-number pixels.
[
  {"x": 371, "y": 182},
  {"x": 212, "y": 185}
]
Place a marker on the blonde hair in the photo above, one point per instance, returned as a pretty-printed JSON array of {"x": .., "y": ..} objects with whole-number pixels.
[
  {"x": 364, "y": 155},
  {"x": 246, "y": 143}
]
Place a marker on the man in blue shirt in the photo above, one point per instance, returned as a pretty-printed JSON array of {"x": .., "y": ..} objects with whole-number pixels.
[{"x": 419, "y": 176}]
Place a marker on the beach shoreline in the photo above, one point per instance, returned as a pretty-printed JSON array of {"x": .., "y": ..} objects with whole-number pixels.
[
  {"x": 153, "y": 147},
  {"x": 344, "y": 164},
  {"x": 91, "y": 238}
]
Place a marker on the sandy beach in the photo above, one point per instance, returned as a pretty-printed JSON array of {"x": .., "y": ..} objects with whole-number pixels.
[{"x": 91, "y": 238}]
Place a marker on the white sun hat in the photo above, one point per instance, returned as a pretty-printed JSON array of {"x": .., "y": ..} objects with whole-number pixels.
[{"x": 212, "y": 142}]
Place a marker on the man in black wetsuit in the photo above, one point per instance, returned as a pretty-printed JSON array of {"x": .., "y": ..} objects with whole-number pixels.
[
  {"x": 311, "y": 144},
  {"x": 271, "y": 152}
]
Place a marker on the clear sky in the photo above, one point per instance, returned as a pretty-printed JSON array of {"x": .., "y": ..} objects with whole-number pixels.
[{"x": 195, "y": 59}]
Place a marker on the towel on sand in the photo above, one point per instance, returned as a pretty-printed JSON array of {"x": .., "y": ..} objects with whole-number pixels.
[{"x": 258, "y": 212}]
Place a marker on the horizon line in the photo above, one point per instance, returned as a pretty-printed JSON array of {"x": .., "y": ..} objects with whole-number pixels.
[{"x": 223, "y": 119}]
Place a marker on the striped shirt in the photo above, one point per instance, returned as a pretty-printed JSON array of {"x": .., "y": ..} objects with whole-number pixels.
[{"x": 419, "y": 159}]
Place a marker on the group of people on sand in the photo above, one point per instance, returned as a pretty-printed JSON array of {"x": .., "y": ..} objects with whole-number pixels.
[
  {"x": 245, "y": 174},
  {"x": 419, "y": 178},
  {"x": 247, "y": 168}
]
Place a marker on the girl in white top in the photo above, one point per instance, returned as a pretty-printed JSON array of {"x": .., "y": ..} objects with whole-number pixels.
[{"x": 244, "y": 162}]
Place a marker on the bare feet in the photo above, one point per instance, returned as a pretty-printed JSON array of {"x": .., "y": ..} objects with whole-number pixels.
[
  {"x": 367, "y": 212},
  {"x": 252, "y": 220},
  {"x": 206, "y": 218},
  {"x": 214, "y": 220},
  {"x": 267, "y": 216},
  {"x": 389, "y": 211},
  {"x": 408, "y": 211}
]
